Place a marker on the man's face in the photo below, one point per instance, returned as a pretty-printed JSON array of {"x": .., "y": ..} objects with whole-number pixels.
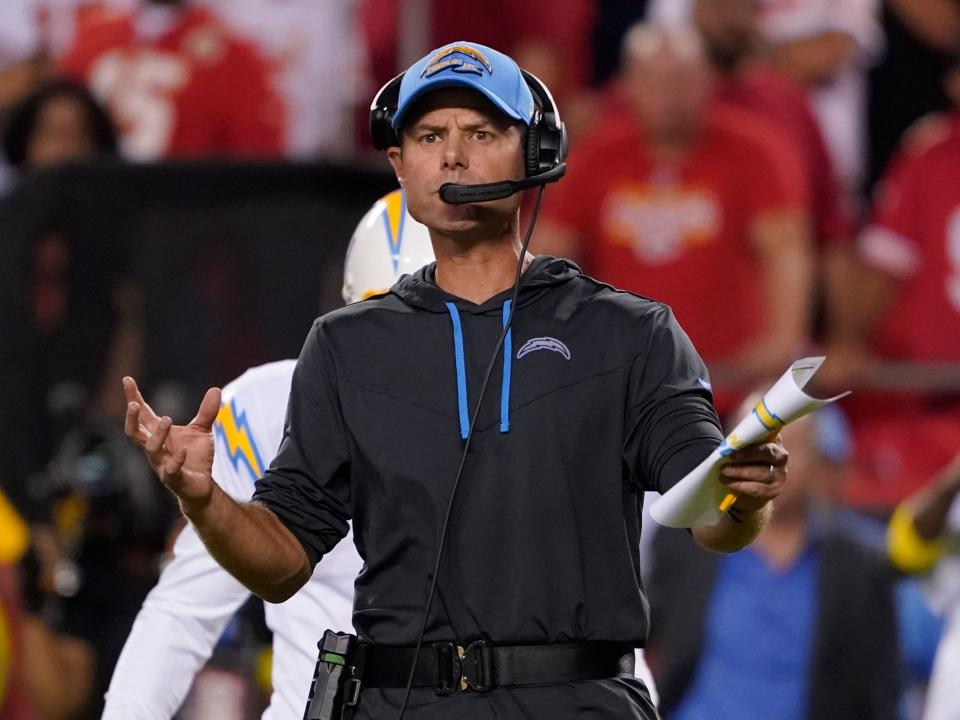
[
  {"x": 669, "y": 91},
  {"x": 455, "y": 135},
  {"x": 727, "y": 28}
]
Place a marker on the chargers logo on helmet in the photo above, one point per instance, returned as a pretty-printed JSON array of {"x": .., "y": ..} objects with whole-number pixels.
[{"x": 386, "y": 244}]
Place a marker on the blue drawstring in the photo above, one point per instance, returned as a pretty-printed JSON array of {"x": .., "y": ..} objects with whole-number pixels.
[
  {"x": 507, "y": 365},
  {"x": 462, "y": 404},
  {"x": 461, "y": 370}
]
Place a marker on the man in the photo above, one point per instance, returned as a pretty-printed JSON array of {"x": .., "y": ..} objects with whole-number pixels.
[
  {"x": 747, "y": 81},
  {"x": 744, "y": 80},
  {"x": 185, "y": 614},
  {"x": 825, "y": 45},
  {"x": 802, "y": 623},
  {"x": 662, "y": 201},
  {"x": 903, "y": 305},
  {"x": 603, "y": 398}
]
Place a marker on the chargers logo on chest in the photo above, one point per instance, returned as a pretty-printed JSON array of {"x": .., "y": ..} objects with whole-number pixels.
[{"x": 550, "y": 344}]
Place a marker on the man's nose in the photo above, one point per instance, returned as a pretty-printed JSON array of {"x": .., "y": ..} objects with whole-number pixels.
[{"x": 455, "y": 153}]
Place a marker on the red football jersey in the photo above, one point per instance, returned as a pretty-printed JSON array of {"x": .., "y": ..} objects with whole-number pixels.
[
  {"x": 192, "y": 90},
  {"x": 913, "y": 236},
  {"x": 680, "y": 233}
]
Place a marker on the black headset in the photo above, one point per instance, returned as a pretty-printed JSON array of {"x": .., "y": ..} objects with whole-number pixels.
[{"x": 546, "y": 141}]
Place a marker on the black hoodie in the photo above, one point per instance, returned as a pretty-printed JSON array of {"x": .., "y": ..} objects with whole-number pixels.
[{"x": 597, "y": 397}]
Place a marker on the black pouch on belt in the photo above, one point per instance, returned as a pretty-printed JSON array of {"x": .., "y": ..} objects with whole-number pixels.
[{"x": 335, "y": 689}]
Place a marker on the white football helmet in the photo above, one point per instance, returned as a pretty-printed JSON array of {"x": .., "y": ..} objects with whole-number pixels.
[{"x": 387, "y": 243}]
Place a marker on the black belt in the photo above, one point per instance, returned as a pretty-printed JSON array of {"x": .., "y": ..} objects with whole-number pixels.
[{"x": 480, "y": 666}]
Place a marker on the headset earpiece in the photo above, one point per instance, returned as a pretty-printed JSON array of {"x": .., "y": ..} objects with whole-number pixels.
[
  {"x": 547, "y": 141},
  {"x": 382, "y": 108}
]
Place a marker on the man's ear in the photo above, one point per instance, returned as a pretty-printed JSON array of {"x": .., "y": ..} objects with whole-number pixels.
[{"x": 395, "y": 156}]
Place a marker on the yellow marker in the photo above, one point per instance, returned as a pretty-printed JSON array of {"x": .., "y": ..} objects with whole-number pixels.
[{"x": 728, "y": 501}]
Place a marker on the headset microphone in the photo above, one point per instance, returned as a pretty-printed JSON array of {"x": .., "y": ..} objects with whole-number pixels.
[{"x": 485, "y": 192}]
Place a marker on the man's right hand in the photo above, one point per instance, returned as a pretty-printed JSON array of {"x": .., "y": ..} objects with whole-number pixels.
[{"x": 181, "y": 455}]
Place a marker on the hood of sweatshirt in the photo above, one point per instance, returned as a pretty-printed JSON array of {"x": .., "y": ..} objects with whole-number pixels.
[{"x": 420, "y": 289}]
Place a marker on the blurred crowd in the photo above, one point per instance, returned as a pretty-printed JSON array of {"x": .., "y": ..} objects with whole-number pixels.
[{"x": 784, "y": 173}]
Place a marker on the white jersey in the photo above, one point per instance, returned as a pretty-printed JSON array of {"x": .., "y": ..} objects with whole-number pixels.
[{"x": 184, "y": 615}]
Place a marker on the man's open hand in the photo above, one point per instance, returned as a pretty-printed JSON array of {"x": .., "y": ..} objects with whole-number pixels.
[{"x": 181, "y": 455}]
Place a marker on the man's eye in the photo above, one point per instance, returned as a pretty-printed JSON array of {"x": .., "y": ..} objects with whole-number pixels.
[
  {"x": 481, "y": 135},
  {"x": 429, "y": 138}
]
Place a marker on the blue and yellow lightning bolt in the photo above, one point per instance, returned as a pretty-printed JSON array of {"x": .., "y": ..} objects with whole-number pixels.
[
  {"x": 232, "y": 427},
  {"x": 394, "y": 215}
]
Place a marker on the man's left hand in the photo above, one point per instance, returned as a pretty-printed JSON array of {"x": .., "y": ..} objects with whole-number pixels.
[{"x": 756, "y": 473}]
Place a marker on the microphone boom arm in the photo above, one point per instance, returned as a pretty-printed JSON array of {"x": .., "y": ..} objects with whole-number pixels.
[{"x": 486, "y": 192}]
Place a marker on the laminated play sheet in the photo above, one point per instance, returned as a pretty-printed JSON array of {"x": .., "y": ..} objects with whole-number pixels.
[{"x": 697, "y": 499}]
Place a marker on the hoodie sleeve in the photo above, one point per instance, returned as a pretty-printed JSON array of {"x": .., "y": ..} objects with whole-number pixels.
[
  {"x": 308, "y": 484},
  {"x": 671, "y": 424}
]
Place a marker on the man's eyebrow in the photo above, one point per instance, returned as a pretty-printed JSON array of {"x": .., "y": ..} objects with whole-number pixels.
[
  {"x": 437, "y": 129},
  {"x": 426, "y": 127}
]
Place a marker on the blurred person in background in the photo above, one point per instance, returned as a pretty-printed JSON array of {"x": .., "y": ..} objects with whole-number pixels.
[
  {"x": 680, "y": 199},
  {"x": 800, "y": 625},
  {"x": 318, "y": 65},
  {"x": 826, "y": 46},
  {"x": 903, "y": 305},
  {"x": 747, "y": 81},
  {"x": 32, "y": 34},
  {"x": 59, "y": 122},
  {"x": 178, "y": 83},
  {"x": 924, "y": 538}
]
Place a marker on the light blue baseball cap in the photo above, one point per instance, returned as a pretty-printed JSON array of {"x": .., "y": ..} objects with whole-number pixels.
[{"x": 471, "y": 65}]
